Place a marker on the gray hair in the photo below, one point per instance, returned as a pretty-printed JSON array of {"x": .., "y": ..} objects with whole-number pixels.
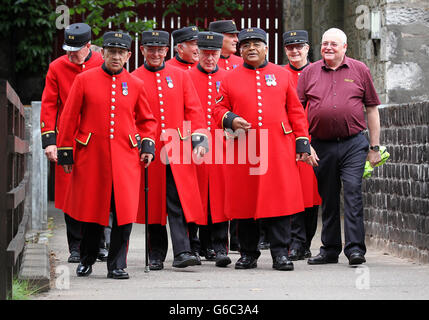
[{"x": 338, "y": 32}]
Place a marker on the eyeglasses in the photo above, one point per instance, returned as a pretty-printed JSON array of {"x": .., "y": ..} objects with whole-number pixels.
[
  {"x": 332, "y": 44},
  {"x": 298, "y": 47}
]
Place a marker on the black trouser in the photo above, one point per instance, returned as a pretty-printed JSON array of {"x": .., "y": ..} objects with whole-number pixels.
[
  {"x": 74, "y": 232},
  {"x": 176, "y": 217},
  {"x": 119, "y": 238},
  {"x": 205, "y": 236},
  {"x": 158, "y": 239},
  {"x": 341, "y": 162},
  {"x": 303, "y": 228},
  {"x": 277, "y": 233},
  {"x": 194, "y": 237},
  {"x": 158, "y": 242},
  {"x": 233, "y": 233},
  {"x": 262, "y": 233},
  {"x": 214, "y": 235}
]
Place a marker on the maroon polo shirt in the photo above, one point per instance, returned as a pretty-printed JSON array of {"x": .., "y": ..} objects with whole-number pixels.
[{"x": 336, "y": 98}]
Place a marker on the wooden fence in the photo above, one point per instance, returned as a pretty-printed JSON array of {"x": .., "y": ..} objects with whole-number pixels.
[{"x": 13, "y": 186}]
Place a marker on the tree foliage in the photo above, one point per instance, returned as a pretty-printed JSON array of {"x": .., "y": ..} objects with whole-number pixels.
[
  {"x": 124, "y": 14},
  {"x": 26, "y": 24}
]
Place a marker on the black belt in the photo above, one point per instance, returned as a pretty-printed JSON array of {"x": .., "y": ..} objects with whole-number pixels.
[{"x": 338, "y": 139}]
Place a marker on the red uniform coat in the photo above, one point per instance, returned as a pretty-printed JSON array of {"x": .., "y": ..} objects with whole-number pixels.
[
  {"x": 230, "y": 63},
  {"x": 59, "y": 79},
  {"x": 306, "y": 172},
  {"x": 173, "y": 100},
  {"x": 211, "y": 177},
  {"x": 179, "y": 63},
  {"x": 113, "y": 110},
  {"x": 275, "y": 188}
]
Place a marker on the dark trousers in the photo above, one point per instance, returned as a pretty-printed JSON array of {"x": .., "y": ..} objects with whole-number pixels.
[
  {"x": 176, "y": 218},
  {"x": 194, "y": 237},
  {"x": 303, "y": 228},
  {"x": 119, "y": 238},
  {"x": 74, "y": 233},
  {"x": 277, "y": 233},
  {"x": 179, "y": 233},
  {"x": 341, "y": 162},
  {"x": 158, "y": 242},
  {"x": 214, "y": 235},
  {"x": 233, "y": 233}
]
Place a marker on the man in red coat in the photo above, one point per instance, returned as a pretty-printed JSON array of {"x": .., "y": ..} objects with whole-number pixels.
[
  {"x": 207, "y": 78},
  {"x": 304, "y": 224},
  {"x": 185, "y": 44},
  {"x": 228, "y": 60},
  {"x": 59, "y": 79},
  {"x": 173, "y": 183},
  {"x": 258, "y": 101},
  {"x": 108, "y": 109}
]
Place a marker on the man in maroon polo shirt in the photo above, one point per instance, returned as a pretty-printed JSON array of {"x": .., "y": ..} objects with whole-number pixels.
[{"x": 339, "y": 90}]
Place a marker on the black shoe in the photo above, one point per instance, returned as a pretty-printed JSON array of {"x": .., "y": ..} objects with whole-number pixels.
[
  {"x": 296, "y": 254},
  {"x": 118, "y": 274},
  {"x": 307, "y": 253},
  {"x": 83, "y": 270},
  {"x": 102, "y": 254},
  {"x": 356, "y": 258},
  {"x": 210, "y": 255},
  {"x": 264, "y": 245},
  {"x": 321, "y": 259},
  {"x": 74, "y": 257},
  {"x": 156, "y": 265},
  {"x": 222, "y": 260},
  {"x": 184, "y": 260},
  {"x": 197, "y": 255},
  {"x": 246, "y": 262},
  {"x": 282, "y": 263}
]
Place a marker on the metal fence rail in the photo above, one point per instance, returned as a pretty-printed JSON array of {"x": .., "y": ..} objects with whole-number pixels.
[{"x": 13, "y": 186}]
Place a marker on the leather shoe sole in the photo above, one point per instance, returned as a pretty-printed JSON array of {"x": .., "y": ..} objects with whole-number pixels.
[
  {"x": 74, "y": 257},
  {"x": 283, "y": 267},
  {"x": 296, "y": 255},
  {"x": 83, "y": 271},
  {"x": 187, "y": 262},
  {"x": 246, "y": 265},
  {"x": 222, "y": 261},
  {"x": 319, "y": 259},
  {"x": 356, "y": 258},
  {"x": 156, "y": 265},
  {"x": 118, "y": 274},
  {"x": 102, "y": 255}
]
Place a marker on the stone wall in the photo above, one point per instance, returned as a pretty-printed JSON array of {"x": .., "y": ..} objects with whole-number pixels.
[{"x": 396, "y": 197}]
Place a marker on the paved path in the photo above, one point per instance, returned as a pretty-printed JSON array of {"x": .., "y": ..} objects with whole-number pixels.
[{"x": 382, "y": 277}]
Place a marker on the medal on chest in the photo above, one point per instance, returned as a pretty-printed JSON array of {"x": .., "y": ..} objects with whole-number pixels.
[
  {"x": 169, "y": 82},
  {"x": 124, "y": 88},
  {"x": 217, "y": 86},
  {"x": 270, "y": 80}
]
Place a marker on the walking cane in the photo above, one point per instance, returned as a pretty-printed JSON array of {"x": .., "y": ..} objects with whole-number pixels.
[{"x": 146, "y": 215}]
